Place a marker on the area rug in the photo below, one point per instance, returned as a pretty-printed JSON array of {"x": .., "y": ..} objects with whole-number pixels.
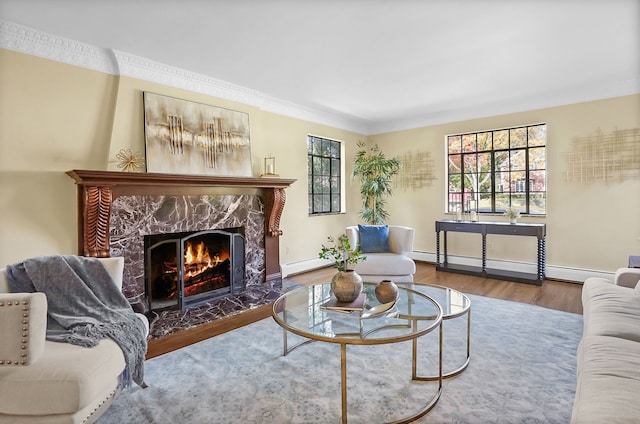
[{"x": 522, "y": 370}]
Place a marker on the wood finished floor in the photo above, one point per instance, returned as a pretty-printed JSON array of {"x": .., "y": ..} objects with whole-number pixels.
[
  {"x": 559, "y": 295},
  {"x": 563, "y": 296}
]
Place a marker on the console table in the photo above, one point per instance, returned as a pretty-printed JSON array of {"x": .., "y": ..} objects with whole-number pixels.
[{"x": 484, "y": 228}]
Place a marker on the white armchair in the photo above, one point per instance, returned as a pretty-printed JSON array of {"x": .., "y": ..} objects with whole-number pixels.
[
  {"x": 50, "y": 382},
  {"x": 627, "y": 277},
  {"x": 392, "y": 263}
]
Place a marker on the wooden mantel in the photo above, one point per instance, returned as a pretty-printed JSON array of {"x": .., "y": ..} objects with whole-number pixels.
[
  {"x": 114, "y": 178},
  {"x": 98, "y": 189}
]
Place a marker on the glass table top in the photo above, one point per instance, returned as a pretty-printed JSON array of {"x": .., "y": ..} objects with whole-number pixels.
[
  {"x": 300, "y": 311},
  {"x": 453, "y": 302}
]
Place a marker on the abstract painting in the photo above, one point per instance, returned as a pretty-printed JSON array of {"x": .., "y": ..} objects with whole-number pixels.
[{"x": 184, "y": 137}]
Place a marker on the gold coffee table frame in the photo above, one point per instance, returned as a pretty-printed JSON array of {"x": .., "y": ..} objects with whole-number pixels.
[
  {"x": 454, "y": 304},
  {"x": 294, "y": 310}
]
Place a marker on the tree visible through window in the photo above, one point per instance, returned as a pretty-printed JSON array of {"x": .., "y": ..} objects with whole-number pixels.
[
  {"x": 324, "y": 164},
  {"x": 491, "y": 170}
]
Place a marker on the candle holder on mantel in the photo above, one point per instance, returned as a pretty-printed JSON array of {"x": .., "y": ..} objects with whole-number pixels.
[{"x": 269, "y": 167}]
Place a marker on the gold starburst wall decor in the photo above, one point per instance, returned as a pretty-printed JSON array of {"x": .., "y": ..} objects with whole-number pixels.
[
  {"x": 607, "y": 157},
  {"x": 416, "y": 172},
  {"x": 129, "y": 161}
]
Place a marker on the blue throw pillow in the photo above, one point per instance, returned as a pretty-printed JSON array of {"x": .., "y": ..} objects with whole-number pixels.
[{"x": 374, "y": 238}]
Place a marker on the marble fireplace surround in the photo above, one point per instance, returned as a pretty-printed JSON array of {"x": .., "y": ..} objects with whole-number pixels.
[{"x": 111, "y": 204}]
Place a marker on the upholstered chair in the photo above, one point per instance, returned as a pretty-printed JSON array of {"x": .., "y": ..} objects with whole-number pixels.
[
  {"x": 627, "y": 277},
  {"x": 608, "y": 356},
  {"x": 387, "y": 248},
  {"x": 43, "y": 381}
]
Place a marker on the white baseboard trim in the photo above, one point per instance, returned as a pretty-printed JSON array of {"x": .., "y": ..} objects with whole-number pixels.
[
  {"x": 297, "y": 267},
  {"x": 575, "y": 274},
  {"x": 554, "y": 272}
]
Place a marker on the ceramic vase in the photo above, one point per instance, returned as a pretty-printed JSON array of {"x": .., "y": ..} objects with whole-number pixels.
[
  {"x": 386, "y": 291},
  {"x": 346, "y": 285},
  {"x": 513, "y": 220}
]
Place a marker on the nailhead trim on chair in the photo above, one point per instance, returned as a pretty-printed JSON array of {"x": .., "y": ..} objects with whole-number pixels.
[
  {"x": 110, "y": 396},
  {"x": 25, "y": 333}
]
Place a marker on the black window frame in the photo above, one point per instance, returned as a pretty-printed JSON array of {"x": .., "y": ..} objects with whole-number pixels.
[
  {"x": 524, "y": 151},
  {"x": 324, "y": 163}
]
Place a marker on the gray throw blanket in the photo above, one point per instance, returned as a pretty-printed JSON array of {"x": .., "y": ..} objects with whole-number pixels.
[{"x": 84, "y": 306}]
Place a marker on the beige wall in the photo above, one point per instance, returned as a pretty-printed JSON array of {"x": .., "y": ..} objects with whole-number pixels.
[
  {"x": 56, "y": 117},
  {"x": 53, "y": 118},
  {"x": 591, "y": 226}
]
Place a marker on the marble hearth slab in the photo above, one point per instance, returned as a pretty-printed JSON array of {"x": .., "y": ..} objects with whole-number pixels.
[{"x": 134, "y": 216}]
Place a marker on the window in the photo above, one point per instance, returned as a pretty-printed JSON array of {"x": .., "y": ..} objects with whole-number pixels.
[
  {"x": 491, "y": 170},
  {"x": 325, "y": 175}
]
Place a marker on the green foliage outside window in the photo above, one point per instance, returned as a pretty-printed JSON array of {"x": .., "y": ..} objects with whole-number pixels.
[
  {"x": 324, "y": 174},
  {"x": 491, "y": 171}
]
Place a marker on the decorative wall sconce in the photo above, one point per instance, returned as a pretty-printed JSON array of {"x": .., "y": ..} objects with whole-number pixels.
[{"x": 270, "y": 167}]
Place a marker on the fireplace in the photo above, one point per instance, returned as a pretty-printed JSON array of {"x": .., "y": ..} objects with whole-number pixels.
[
  {"x": 189, "y": 268},
  {"x": 116, "y": 209}
]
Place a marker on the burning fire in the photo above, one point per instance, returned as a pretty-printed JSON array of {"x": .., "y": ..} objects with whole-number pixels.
[{"x": 198, "y": 261}]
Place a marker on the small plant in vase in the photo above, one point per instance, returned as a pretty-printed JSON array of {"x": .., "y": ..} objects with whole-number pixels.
[
  {"x": 512, "y": 213},
  {"x": 341, "y": 253},
  {"x": 346, "y": 285}
]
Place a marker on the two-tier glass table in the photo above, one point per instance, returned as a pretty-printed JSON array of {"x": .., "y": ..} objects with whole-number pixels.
[
  {"x": 454, "y": 304},
  {"x": 415, "y": 314}
]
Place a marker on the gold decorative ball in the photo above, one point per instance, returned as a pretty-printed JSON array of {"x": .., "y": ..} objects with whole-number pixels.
[{"x": 386, "y": 291}]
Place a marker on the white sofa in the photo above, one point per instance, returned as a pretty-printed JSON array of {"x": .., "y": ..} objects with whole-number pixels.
[
  {"x": 54, "y": 383},
  {"x": 394, "y": 265},
  {"x": 608, "y": 357}
]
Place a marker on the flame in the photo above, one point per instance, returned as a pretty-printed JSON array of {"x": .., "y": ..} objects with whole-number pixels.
[{"x": 198, "y": 261}]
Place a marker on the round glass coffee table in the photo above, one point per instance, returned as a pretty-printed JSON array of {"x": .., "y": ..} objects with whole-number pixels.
[
  {"x": 454, "y": 304},
  {"x": 302, "y": 311}
]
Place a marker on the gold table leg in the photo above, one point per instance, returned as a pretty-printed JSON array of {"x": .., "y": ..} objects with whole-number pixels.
[
  {"x": 284, "y": 339},
  {"x": 429, "y": 406},
  {"x": 462, "y": 367},
  {"x": 343, "y": 380}
]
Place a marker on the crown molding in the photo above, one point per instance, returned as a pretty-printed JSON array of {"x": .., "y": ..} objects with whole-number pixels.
[
  {"x": 148, "y": 70},
  {"x": 30, "y": 41},
  {"x": 568, "y": 96},
  {"x": 33, "y": 42}
]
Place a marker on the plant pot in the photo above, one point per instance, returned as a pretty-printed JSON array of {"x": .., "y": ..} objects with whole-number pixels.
[
  {"x": 386, "y": 291},
  {"x": 513, "y": 220},
  {"x": 346, "y": 286}
]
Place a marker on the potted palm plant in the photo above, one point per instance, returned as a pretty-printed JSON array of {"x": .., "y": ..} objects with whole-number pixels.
[
  {"x": 346, "y": 284},
  {"x": 375, "y": 172}
]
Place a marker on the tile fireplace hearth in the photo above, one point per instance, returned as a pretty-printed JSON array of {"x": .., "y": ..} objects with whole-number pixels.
[{"x": 117, "y": 209}]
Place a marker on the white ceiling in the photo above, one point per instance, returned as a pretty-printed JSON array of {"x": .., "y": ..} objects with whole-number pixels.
[{"x": 389, "y": 64}]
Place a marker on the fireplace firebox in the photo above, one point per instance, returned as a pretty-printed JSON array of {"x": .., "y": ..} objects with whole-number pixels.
[{"x": 188, "y": 268}]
